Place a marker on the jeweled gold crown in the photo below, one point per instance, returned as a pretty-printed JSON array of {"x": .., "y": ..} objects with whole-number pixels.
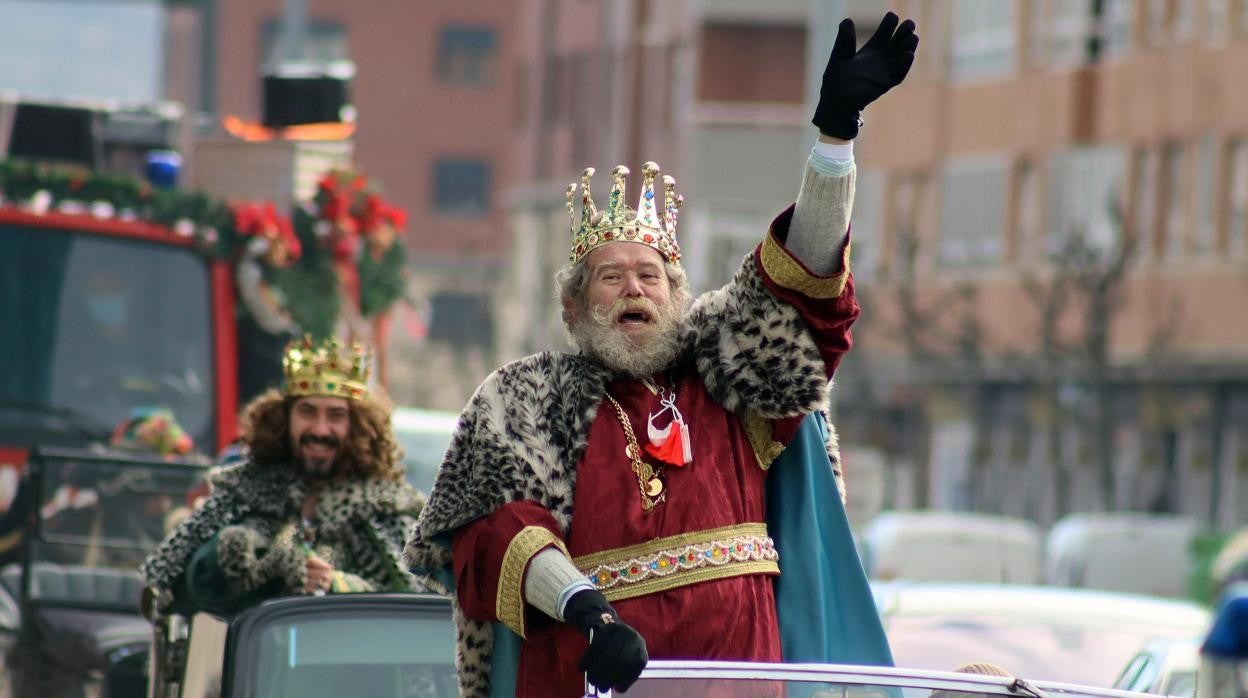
[
  {"x": 620, "y": 223},
  {"x": 326, "y": 369}
]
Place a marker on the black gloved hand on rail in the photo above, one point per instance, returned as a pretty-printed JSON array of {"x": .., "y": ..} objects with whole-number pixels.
[{"x": 617, "y": 652}]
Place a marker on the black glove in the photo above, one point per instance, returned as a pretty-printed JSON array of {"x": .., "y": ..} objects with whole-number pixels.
[
  {"x": 853, "y": 80},
  {"x": 616, "y": 653}
]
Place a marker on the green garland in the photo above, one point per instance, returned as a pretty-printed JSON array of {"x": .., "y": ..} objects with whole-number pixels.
[
  {"x": 21, "y": 181},
  {"x": 310, "y": 286},
  {"x": 381, "y": 281}
]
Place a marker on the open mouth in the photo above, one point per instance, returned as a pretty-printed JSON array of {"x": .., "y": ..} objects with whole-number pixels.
[
  {"x": 317, "y": 447},
  {"x": 633, "y": 317},
  {"x": 318, "y": 450}
]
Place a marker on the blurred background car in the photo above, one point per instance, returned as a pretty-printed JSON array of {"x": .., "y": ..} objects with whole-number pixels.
[
  {"x": 1121, "y": 551},
  {"x": 952, "y": 546},
  {"x": 1055, "y": 634},
  {"x": 424, "y": 436},
  {"x": 1165, "y": 667}
]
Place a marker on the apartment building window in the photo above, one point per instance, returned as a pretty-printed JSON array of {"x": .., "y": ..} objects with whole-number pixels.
[
  {"x": 1066, "y": 32},
  {"x": 751, "y": 63},
  {"x": 1183, "y": 19},
  {"x": 973, "y": 195},
  {"x": 1205, "y": 229},
  {"x": 1070, "y": 33},
  {"x": 983, "y": 39},
  {"x": 1218, "y": 21},
  {"x": 1145, "y": 197},
  {"x": 322, "y": 41},
  {"x": 1116, "y": 20},
  {"x": 1084, "y": 184},
  {"x": 1174, "y": 188},
  {"x": 1170, "y": 21},
  {"x": 467, "y": 55},
  {"x": 461, "y": 186},
  {"x": 1237, "y": 198}
]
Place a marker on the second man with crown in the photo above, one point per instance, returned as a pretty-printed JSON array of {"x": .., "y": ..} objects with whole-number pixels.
[{"x": 609, "y": 506}]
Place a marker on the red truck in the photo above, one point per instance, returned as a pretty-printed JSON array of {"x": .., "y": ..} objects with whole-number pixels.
[{"x": 100, "y": 316}]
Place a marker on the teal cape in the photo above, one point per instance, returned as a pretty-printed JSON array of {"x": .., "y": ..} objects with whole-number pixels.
[{"x": 826, "y": 610}]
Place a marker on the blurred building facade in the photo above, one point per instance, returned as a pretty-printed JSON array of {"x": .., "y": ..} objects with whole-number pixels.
[
  {"x": 712, "y": 92},
  {"x": 434, "y": 88},
  {"x": 1053, "y": 255}
]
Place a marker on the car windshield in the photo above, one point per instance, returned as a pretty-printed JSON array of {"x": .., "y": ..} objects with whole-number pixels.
[
  {"x": 98, "y": 518},
  {"x": 101, "y": 512},
  {"x": 1073, "y": 651},
  {"x": 96, "y": 326},
  {"x": 341, "y": 653}
]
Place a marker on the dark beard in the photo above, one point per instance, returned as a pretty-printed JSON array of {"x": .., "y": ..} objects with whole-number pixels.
[{"x": 319, "y": 468}]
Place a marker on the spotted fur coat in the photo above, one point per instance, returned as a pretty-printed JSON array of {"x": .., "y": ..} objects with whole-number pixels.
[
  {"x": 360, "y": 530},
  {"x": 527, "y": 426}
]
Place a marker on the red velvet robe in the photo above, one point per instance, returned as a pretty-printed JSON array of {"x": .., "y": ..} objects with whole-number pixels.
[{"x": 724, "y": 619}]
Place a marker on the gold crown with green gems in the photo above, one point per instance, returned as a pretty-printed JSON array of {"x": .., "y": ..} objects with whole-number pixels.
[
  {"x": 620, "y": 223},
  {"x": 326, "y": 369}
]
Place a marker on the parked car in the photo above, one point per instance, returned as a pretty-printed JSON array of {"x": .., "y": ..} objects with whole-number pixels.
[
  {"x": 952, "y": 546},
  {"x": 745, "y": 680},
  {"x": 1072, "y": 635},
  {"x": 424, "y": 436},
  {"x": 1165, "y": 667},
  {"x": 1121, "y": 551}
]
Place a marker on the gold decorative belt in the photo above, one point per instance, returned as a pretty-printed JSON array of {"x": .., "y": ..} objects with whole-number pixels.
[{"x": 676, "y": 561}]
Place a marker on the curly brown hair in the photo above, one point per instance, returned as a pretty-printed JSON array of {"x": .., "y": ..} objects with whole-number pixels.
[{"x": 371, "y": 450}]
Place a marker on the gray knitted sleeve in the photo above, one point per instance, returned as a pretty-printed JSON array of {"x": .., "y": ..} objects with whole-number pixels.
[{"x": 821, "y": 217}]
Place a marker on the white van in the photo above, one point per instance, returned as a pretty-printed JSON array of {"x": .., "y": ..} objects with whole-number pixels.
[
  {"x": 1121, "y": 551},
  {"x": 952, "y": 546}
]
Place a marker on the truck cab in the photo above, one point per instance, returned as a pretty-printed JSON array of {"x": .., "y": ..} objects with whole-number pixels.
[{"x": 102, "y": 316}]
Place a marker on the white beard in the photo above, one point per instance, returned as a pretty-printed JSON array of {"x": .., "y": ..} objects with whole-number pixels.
[{"x": 639, "y": 353}]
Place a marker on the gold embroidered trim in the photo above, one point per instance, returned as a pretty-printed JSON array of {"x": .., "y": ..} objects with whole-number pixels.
[
  {"x": 509, "y": 603},
  {"x": 659, "y": 565},
  {"x": 705, "y": 574},
  {"x": 789, "y": 273},
  {"x": 758, "y": 431},
  {"x": 680, "y": 539}
]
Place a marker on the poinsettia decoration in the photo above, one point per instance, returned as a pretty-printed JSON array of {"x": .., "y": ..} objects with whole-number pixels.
[
  {"x": 339, "y": 253},
  {"x": 261, "y": 223}
]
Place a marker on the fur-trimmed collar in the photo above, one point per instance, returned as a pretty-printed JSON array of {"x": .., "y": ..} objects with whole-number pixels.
[{"x": 276, "y": 491}]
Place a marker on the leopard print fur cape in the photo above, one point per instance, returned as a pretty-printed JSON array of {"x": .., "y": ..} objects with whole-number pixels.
[
  {"x": 361, "y": 525},
  {"x": 526, "y": 427}
]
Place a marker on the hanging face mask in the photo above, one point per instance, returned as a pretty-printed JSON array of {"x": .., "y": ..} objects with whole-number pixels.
[
  {"x": 109, "y": 311},
  {"x": 671, "y": 443}
]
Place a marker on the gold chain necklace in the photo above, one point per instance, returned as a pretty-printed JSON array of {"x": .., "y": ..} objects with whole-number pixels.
[{"x": 649, "y": 482}]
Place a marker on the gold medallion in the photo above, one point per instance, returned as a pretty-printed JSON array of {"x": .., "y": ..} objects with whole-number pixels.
[
  {"x": 654, "y": 487},
  {"x": 643, "y": 469}
]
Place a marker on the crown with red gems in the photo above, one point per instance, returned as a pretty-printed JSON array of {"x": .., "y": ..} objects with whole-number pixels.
[
  {"x": 326, "y": 369},
  {"x": 620, "y": 223}
]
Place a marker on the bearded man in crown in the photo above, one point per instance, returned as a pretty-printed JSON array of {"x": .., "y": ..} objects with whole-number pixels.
[
  {"x": 601, "y": 508},
  {"x": 319, "y": 505}
]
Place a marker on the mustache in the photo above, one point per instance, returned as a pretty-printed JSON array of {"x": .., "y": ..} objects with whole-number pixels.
[
  {"x": 610, "y": 314},
  {"x": 312, "y": 440}
]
